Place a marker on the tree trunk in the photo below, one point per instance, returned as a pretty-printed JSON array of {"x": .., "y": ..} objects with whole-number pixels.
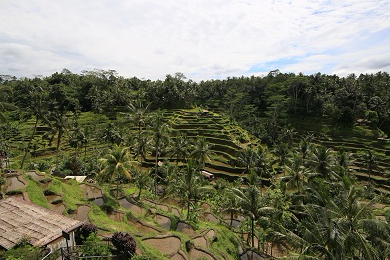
[
  {"x": 117, "y": 187},
  {"x": 231, "y": 218},
  {"x": 253, "y": 232},
  {"x": 188, "y": 206},
  {"x": 60, "y": 132},
  {"x": 139, "y": 193},
  {"x": 29, "y": 143},
  {"x": 156, "y": 167}
]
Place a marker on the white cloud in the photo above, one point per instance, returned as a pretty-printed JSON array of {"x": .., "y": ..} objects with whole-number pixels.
[{"x": 204, "y": 39}]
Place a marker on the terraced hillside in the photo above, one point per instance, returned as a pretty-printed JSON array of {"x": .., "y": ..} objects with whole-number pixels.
[
  {"x": 357, "y": 141},
  {"x": 226, "y": 139},
  {"x": 159, "y": 227}
]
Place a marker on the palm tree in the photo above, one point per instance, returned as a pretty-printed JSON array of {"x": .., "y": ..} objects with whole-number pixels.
[
  {"x": 251, "y": 203},
  {"x": 322, "y": 161},
  {"x": 139, "y": 115},
  {"x": 188, "y": 184},
  {"x": 339, "y": 226},
  {"x": 304, "y": 148},
  {"x": 37, "y": 108},
  {"x": 248, "y": 158},
  {"x": 142, "y": 144},
  {"x": 229, "y": 204},
  {"x": 116, "y": 165},
  {"x": 201, "y": 151},
  {"x": 297, "y": 172},
  {"x": 58, "y": 126},
  {"x": 180, "y": 147},
  {"x": 141, "y": 179},
  {"x": 370, "y": 161},
  {"x": 77, "y": 139},
  {"x": 160, "y": 130},
  {"x": 282, "y": 151}
]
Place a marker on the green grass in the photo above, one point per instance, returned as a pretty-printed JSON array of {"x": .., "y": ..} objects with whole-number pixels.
[
  {"x": 35, "y": 192},
  {"x": 103, "y": 221},
  {"x": 71, "y": 192}
]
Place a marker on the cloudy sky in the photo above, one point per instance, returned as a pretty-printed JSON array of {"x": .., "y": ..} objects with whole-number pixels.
[{"x": 204, "y": 39}]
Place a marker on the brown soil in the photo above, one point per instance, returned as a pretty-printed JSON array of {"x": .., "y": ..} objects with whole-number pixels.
[
  {"x": 81, "y": 213},
  {"x": 210, "y": 217},
  {"x": 91, "y": 192},
  {"x": 176, "y": 212},
  {"x": 141, "y": 227},
  {"x": 197, "y": 254},
  {"x": 52, "y": 198},
  {"x": 180, "y": 256},
  {"x": 166, "y": 245},
  {"x": 117, "y": 216},
  {"x": 98, "y": 201},
  {"x": 134, "y": 208},
  {"x": 35, "y": 176},
  {"x": 163, "y": 221},
  {"x": 200, "y": 242},
  {"x": 59, "y": 208},
  {"x": 160, "y": 206},
  {"x": 15, "y": 183},
  {"x": 185, "y": 228},
  {"x": 210, "y": 234}
]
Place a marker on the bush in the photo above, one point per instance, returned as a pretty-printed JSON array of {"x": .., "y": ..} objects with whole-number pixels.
[
  {"x": 83, "y": 232},
  {"x": 124, "y": 243},
  {"x": 23, "y": 252},
  {"x": 93, "y": 247}
]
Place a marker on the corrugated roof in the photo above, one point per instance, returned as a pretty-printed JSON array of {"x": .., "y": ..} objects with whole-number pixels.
[{"x": 19, "y": 219}]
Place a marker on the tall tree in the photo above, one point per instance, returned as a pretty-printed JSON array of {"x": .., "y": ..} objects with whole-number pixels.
[
  {"x": 117, "y": 164},
  {"x": 251, "y": 203},
  {"x": 160, "y": 130},
  {"x": 188, "y": 184},
  {"x": 370, "y": 162},
  {"x": 201, "y": 152}
]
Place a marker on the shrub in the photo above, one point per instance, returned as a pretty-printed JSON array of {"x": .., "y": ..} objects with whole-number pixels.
[
  {"x": 124, "y": 243},
  {"x": 83, "y": 232},
  {"x": 93, "y": 247}
]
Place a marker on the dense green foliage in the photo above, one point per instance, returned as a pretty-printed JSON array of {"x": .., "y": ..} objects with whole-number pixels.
[{"x": 314, "y": 206}]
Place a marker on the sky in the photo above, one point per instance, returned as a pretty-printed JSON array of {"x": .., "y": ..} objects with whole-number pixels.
[{"x": 203, "y": 39}]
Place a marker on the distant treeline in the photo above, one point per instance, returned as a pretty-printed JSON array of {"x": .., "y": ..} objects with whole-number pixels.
[{"x": 245, "y": 99}]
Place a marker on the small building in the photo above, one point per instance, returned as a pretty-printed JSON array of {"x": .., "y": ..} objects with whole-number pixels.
[
  {"x": 42, "y": 227},
  {"x": 77, "y": 178},
  {"x": 207, "y": 174}
]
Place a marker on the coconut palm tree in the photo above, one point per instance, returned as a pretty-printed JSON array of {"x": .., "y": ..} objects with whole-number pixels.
[
  {"x": 201, "y": 151},
  {"x": 282, "y": 151},
  {"x": 142, "y": 144},
  {"x": 297, "y": 173},
  {"x": 117, "y": 164},
  {"x": 160, "y": 130},
  {"x": 188, "y": 184},
  {"x": 141, "y": 179},
  {"x": 248, "y": 158},
  {"x": 36, "y": 108},
  {"x": 322, "y": 161},
  {"x": 370, "y": 161},
  {"x": 304, "y": 148},
  {"x": 251, "y": 203},
  {"x": 180, "y": 147},
  {"x": 139, "y": 115},
  {"x": 337, "y": 225}
]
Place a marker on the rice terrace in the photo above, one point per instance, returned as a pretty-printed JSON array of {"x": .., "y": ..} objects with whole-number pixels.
[{"x": 281, "y": 166}]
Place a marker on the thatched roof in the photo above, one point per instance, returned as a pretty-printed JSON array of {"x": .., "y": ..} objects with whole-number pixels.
[{"x": 20, "y": 219}]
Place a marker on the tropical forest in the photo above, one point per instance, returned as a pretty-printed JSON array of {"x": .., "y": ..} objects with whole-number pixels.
[{"x": 280, "y": 166}]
